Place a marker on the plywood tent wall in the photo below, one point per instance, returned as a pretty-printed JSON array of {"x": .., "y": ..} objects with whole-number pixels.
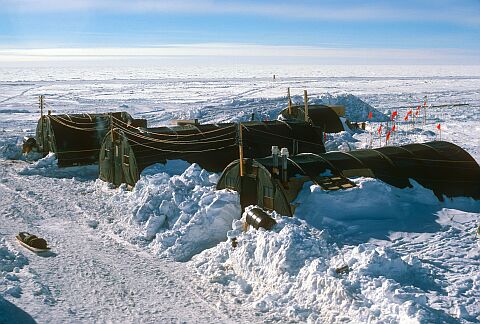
[
  {"x": 76, "y": 138},
  {"x": 440, "y": 166},
  {"x": 325, "y": 117},
  {"x": 126, "y": 152}
]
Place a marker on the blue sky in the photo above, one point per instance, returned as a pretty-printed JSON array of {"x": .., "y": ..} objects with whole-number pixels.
[{"x": 424, "y": 31}]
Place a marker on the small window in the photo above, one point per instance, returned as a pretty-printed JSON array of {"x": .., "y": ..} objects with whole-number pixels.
[
  {"x": 231, "y": 182},
  {"x": 268, "y": 197},
  {"x": 268, "y": 203},
  {"x": 107, "y": 154},
  {"x": 268, "y": 191},
  {"x": 126, "y": 159}
]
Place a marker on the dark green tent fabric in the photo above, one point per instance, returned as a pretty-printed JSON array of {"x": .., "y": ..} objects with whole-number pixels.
[
  {"x": 212, "y": 146},
  {"x": 76, "y": 138},
  {"x": 443, "y": 167},
  {"x": 320, "y": 116}
]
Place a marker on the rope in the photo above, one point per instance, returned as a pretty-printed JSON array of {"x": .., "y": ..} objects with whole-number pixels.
[
  {"x": 153, "y": 140},
  {"x": 78, "y": 151},
  {"x": 71, "y": 126},
  {"x": 173, "y": 151},
  {"x": 179, "y": 135},
  {"x": 281, "y": 136},
  {"x": 75, "y": 122}
]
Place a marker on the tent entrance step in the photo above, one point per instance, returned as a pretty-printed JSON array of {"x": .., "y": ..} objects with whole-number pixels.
[{"x": 334, "y": 183}]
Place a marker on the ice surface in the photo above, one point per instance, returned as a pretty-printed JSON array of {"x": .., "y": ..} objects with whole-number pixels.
[{"x": 410, "y": 258}]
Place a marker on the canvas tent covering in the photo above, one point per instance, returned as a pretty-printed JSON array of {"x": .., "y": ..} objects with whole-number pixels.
[
  {"x": 441, "y": 166},
  {"x": 125, "y": 152},
  {"x": 323, "y": 116},
  {"x": 76, "y": 138}
]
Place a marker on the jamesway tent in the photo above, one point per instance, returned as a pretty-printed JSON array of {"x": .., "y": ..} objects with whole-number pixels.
[
  {"x": 125, "y": 151},
  {"x": 323, "y": 116},
  {"x": 443, "y": 167},
  {"x": 76, "y": 138}
]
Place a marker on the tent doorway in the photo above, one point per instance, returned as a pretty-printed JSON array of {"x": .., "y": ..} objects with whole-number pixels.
[{"x": 248, "y": 190}]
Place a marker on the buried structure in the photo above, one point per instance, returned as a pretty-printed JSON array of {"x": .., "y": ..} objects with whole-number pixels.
[
  {"x": 327, "y": 118},
  {"x": 125, "y": 152},
  {"x": 274, "y": 182},
  {"x": 76, "y": 138}
]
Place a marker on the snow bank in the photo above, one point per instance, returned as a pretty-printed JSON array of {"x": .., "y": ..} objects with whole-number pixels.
[
  {"x": 12, "y": 150},
  {"x": 356, "y": 109},
  {"x": 290, "y": 273},
  {"x": 374, "y": 209},
  {"x": 343, "y": 141},
  {"x": 11, "y": 262},
  {"x": 48, "y": 167},
  {"x": 176, "y": 209}
]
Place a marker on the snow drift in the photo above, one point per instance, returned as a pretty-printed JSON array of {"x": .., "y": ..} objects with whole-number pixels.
[
  {"x": 290, "y": 272},
  {"x": 175, "y": 210}
]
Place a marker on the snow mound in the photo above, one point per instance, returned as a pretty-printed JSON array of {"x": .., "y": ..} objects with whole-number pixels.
[
  {"x": 11, "y": 151},
  {"x": 178, "y": 212},
  {"x": 290, "y": 273},
  {"x": 10, "y": 264},
  {"x": 374, "y": 209},
  {"x": 343, "y": 141},
  {"x": 48, "y": 164},
  {"x": 48, "y": 167},
  {"x": 356, "y": 109}
]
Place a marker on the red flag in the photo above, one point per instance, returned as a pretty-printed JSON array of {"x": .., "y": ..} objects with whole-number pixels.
[
  {"x": 408, "y": 113},
  {"x": 370, "y": 115},
  {"x": 394, "y": 114},
  {"x": 438, "y": 126},
  {"x": 393, "y": 128},
  {"x": 324, "y": 137},
  {"x": 418, "y": 108},
  {"x": 380, "y": 129},
  {"x": 388, "y": 135},
  {"x": 417, "y": 112}
]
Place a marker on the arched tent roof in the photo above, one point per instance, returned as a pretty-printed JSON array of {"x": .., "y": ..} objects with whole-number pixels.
[
  {"x": 212, "y": 146},
  {"x": 321, "y": 116},
  {"x": 76, "y": 138},
  {"x": 440, "y": 166}
]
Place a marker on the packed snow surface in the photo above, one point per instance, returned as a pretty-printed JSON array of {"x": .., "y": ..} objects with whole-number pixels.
[{"x": 164, "y": 251}]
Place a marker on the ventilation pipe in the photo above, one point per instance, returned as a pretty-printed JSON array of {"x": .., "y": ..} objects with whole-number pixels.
[
  {"x": 284, "y": 157},
  {"x": 275, "y": 153}
]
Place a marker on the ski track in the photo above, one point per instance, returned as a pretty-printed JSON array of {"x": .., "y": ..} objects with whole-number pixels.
[{"x": 90, "y": 276}]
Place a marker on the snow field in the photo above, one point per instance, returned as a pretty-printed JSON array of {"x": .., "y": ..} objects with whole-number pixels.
[{"x": 410, "y": 257}]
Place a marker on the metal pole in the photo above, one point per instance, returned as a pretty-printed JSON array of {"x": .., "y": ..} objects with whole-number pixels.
[
  {"x": 240, "y": 149},
  {"x": 289, "y": 102},
  {"x": 41, "y": 119},
  {"x": 305, "y": 99},
  {"x": 111, "y": 126}
]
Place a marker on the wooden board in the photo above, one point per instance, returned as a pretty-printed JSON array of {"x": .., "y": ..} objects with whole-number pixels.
[{"x": 31, "y": 248}]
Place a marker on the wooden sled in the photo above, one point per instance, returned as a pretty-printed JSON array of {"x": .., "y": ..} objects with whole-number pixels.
[{"x": 20, "y": 238}]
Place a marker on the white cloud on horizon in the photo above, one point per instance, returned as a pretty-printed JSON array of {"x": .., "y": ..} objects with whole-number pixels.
[{"x": 260, "y": 53}]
